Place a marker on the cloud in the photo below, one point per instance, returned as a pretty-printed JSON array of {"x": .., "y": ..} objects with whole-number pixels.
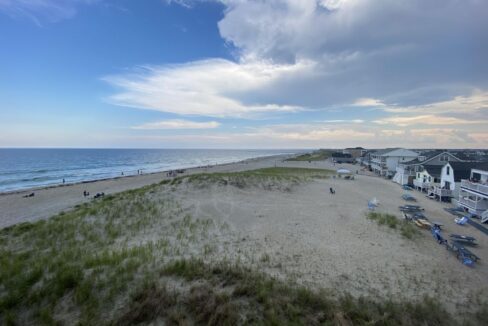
[
  {"x": 204, "y": 88},
  {"x": 417, "y": 68},
  {"x": 384, "y": 49},
  {"x": 178, "y": 124},
  {"x": 428, "y": 119},
  {"x": 40, "y": 11},
  {"x": 368, "y": 102}
]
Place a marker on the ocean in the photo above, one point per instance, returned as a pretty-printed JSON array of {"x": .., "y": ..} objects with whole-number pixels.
[{"x": 30, "y": 168}]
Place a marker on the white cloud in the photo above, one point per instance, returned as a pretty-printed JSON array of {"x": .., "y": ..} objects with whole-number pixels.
[
  {"x": 417, "y": 68},
  {"x": 428, "y": 119},
  {"x": 178, "y": 124},
  {"x": 204, "y": 88},
  {"x": 368, "y": 102},
  {"x": 42, "y": 10}
]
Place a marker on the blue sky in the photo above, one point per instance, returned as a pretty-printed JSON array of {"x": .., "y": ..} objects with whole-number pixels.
[{"x": 243, "y": 74}]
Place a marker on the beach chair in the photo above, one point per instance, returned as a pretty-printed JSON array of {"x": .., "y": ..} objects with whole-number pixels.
[
  {"x": 424, "y": 223},
  {"x": 464, "y": 239},
  {"x": 411, "y": 208},
  {"x": 461, "y": 221},
  {"x": 408, "y": 197},
  {"x": 467, "y": 257}
]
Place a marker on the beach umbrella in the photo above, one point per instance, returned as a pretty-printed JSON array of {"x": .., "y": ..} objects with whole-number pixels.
[{"x": 343, "y": 171}]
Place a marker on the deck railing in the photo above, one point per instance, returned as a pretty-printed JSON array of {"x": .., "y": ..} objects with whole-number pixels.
[
  {"x": 421, "y": 184},
  {"x": 478, "y": 187},
  {"x": 442, "y": 192},
  {"x": 479, "y": 205}
]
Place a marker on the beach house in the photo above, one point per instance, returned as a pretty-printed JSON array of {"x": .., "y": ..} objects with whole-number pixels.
[
  {"x": 429, "y": 176},
  {"x": 406, "y": 172},
  {"x": 473, "y": 192},
  {"x": 384, "y": 162},
  {"x": 355, "y": 152},
  {"x": 339, "y": 157}
]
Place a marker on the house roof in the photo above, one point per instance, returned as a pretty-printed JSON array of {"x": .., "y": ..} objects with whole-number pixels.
[
  {"x": 462, "y": 170},
  {"x": 384, "y": 151},
  {"x": 430, "y": 156},
  {"x": 433, "y": 170}
]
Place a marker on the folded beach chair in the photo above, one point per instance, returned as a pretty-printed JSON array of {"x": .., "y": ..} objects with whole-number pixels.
[
  {"x": 461, "y": 221},
  {"x": 425, "y": 224},
  {"x": 408, "y": 197},
  {"x": 464, "y": 239},
  {"x": 466, "y": 256}
]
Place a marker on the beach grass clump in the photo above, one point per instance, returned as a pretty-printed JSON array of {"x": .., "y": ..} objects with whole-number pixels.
[
  {"x": 384, "y": 219},
  {"x": 231, "y": 294},
  {"x": 406, "y": 229}
]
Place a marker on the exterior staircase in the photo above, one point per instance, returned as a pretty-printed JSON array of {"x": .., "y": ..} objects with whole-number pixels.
[{"x": 484, "y": 216}]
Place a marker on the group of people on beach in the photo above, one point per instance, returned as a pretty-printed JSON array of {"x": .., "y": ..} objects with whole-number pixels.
[{"x": 174, "y": 173}]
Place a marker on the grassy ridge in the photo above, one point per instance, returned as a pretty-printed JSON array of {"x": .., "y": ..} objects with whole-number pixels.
[
  {"x": 275, "y": 178},
  {"x": 320, "y": 155}
]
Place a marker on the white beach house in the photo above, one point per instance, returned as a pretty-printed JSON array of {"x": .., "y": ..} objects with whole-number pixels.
[
  {"x": 384, "y": 162},
  {"x": 428, "y": 177},
  {"x": 473, "y": 193},
  {"x": 408, "y": 171}
]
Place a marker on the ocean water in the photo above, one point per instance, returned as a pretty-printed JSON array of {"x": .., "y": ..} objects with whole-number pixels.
[{"x": 29, "y": 168}]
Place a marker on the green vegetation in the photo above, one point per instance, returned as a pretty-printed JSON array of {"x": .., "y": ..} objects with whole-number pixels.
[
  {"x": 77, "y": 265},
  {"x": 276, "y": 178},
  {"x": 406, "y": 229},
  {"x": 230, "y": 294},
  {"x": 320, "y": 155},
  {"x": 137, "y": 257}
]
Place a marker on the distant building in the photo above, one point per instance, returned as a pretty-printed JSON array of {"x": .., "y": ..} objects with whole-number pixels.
[
  {"x": 339, "y": 157},
  {"x": 384, "y": 162},
  {"x": 355, "y": 152}
]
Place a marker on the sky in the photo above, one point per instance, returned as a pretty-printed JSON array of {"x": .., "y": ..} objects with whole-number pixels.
[{"x": 244, "y": 74}]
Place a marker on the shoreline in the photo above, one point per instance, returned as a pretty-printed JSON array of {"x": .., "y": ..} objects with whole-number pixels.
[
  {"x": 60, "y": 185},
  {"x": 51, "y": 200}
]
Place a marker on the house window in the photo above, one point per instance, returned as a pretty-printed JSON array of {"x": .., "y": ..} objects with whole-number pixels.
[
  {"x": 418, "y": 175},
  {"x": 447, "y": 170},
  {"x": 444, "y": 158},
  {"x": 429, "y": 179}
]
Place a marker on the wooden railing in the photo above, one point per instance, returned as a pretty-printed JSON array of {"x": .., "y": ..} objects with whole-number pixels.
[{"x": 478, "y": 187}]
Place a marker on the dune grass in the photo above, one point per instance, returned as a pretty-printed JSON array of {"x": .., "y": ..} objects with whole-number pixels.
[
  {"x": 406, "y": 229},
  {"x": 77, "y": 265},
  {"x": 230, "y": 294},
  {"x": 274, "y": 178},
  {"x": 320, "y": 155}
]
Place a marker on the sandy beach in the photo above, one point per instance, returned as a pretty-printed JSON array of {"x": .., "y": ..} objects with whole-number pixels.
[
  {"x": 48, "y": 201},
  {"x": 300, "y": 231}
]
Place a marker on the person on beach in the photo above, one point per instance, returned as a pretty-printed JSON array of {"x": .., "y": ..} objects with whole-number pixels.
[{"x": 63, "y": 181}]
